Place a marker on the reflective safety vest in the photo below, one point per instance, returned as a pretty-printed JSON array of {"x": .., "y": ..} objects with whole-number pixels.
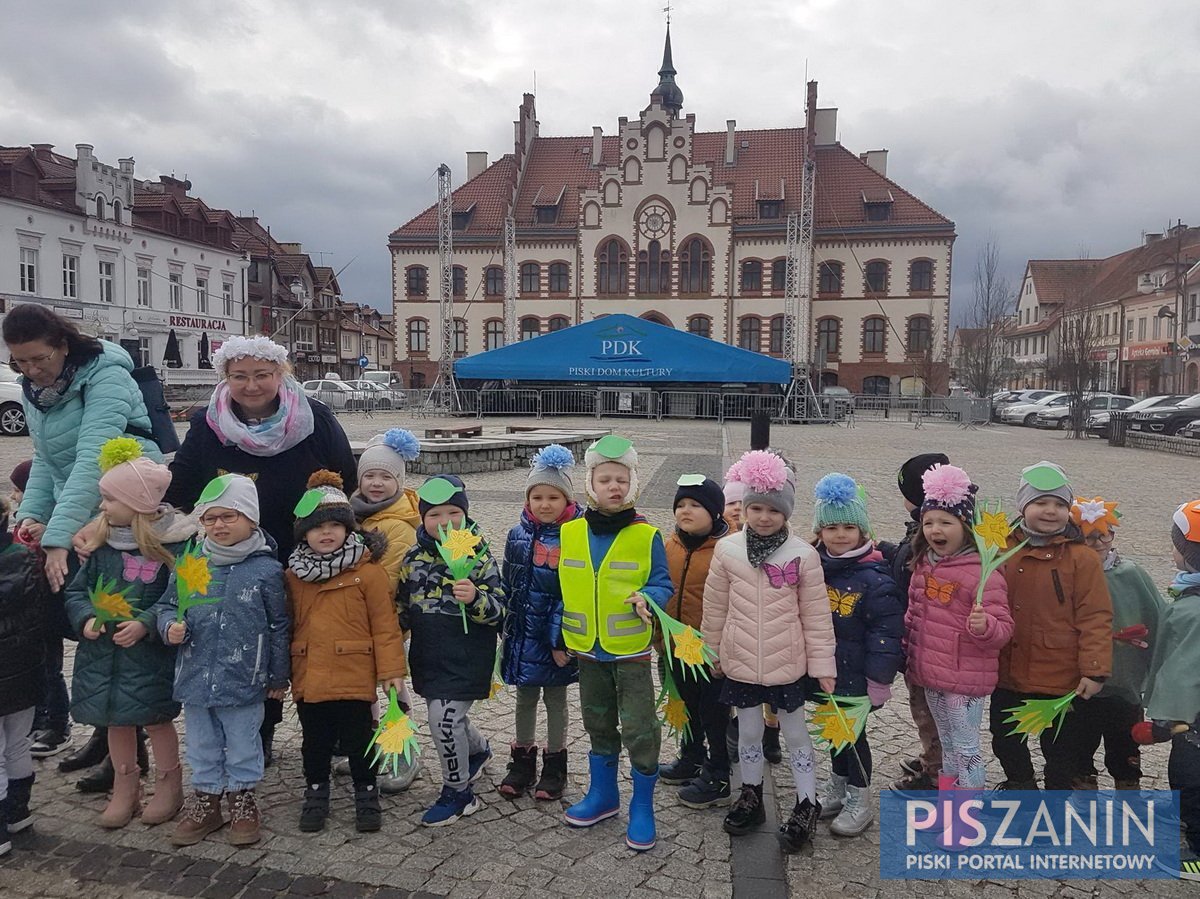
[{"x": 594, "y": 606}]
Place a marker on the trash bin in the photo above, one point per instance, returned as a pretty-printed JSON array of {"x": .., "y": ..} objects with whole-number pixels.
[
  {"x": 1118, "y": 427},
  {"x": 760, "y": 429}
]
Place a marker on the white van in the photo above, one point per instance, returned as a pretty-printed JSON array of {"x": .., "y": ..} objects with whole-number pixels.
[{"x": 388, "y": 379}]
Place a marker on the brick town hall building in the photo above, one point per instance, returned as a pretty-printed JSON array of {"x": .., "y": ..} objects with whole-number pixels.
[{"x": 688, "y": 229}]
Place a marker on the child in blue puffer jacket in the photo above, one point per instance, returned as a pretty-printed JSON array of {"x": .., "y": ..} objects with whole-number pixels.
[
  {"x": 234, "y": 653},
  {"x": 535, "y": 658},
  {"x": 868, "y": 622}
]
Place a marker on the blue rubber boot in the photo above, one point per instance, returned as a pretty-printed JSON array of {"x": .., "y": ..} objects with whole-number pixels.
[
  {"x": 640, "y": 834},
  {"x": 602, "y": 799}
]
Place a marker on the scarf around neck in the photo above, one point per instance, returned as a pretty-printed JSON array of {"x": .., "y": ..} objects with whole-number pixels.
[
  {"x": 238, "y": 552},
  {"x": 45, "y": 398},
  {"x": 604, "y": 523},
  {"x": 1069, "y": 530},
  {"x": 759, "y": 548},
  {"x": 313, "y": 567},
  {"x": 292, "y": 424},
  {"x": 692, "y": 542},
  {"x": 1184, "y": 580},
  {"x": 363, "y": 508}
]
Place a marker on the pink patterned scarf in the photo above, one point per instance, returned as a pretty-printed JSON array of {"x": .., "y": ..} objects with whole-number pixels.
[{"x": 289, "y": 426}]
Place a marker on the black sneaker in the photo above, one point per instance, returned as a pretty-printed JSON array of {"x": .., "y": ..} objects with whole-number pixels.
[
  {"x": 747, "y": 811},
  {"x": 912, "y": 766},
  {"x": 771, "y": 749},
  {"x": 49, "y": 741},
  {"x": 681, "y": 771},
  {"x": 1006, "y": 785},
  {"x": 706, "y": 791},
  {"x": 367, "y": 814},
  {"x": 795, "y": 833},
  {"x": 913, "y": 783},
  {"x": 315, "y": 810}
]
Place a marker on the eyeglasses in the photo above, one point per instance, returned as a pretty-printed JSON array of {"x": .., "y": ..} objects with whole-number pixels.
[
  {"x": 38, "y": 362},
  {"x": 224, "y": 517},
  {"x": 1100, "y": 538}
]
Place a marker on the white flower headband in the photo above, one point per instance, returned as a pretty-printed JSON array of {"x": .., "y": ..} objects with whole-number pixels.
[{"x": 256, "y": 347}]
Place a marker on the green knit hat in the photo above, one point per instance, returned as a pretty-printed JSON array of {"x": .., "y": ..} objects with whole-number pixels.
[{"x": 839, "y": 501}]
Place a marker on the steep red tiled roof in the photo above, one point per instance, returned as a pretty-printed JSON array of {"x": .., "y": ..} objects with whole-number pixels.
[
  {"x": 489, "y": 191},
  {"x": 1058, "y": 280}
]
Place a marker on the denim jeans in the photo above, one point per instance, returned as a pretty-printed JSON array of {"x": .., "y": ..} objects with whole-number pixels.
[
  {"x": 55, "y": 710},
  {"x": 223, "y": 747}
]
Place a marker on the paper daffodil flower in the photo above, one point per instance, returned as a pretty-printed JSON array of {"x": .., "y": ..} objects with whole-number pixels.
[
  {"x": 194, "y": 574},
  {"x": 689, "y": 647},
  {"x": 461, "y": 543},
  {"x": 993, "y": 528}
]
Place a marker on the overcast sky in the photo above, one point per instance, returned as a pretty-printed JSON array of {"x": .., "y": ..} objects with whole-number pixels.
[{"x": 1053, "y": 127}]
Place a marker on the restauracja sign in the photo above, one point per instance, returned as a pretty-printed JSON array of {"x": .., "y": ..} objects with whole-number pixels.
[{"x": 199, "y": 324}]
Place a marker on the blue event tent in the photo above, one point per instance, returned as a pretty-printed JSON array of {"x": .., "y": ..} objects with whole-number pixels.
[{"x": 621, "y": 348}]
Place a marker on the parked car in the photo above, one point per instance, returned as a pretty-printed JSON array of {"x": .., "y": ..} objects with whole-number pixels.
[
  {"x": 1097, "y": 423},
  {"x": 334, "y": 394},
  {"x": 12, "y": 413},
  {"x": 1191, "y": 431},
  {"x": 370, "y": 395},
  {"x": 1006, "y": 398},
  {"x": 1024, "y": 413},
  {"x": 837, "y": 401},
  {"x": 1058, "y": 415},
  {"x": 1167, "y": 419}
]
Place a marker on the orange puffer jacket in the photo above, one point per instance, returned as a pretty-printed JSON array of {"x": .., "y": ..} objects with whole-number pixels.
[{"x": 764, "y": 634}]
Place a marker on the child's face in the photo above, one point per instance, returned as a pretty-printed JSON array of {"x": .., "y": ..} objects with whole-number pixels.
[
  {"x": 1100, "y": 543},
  {"x": 733, "y": 514},
  {"x": 1047, "y": 515},
  {"x": 377, "y": 485},
  {"x": 841, "y": 538},
  {"x": 326, "y": 537},
  {"x": 764, "y": 520},
  {"x": 118, "y": 514},
  {"x": 443, "y": 515},
  {"x": 16, "y": 496},
  {"x": 692, "y": 517},
  {"x": 610, "y": 484},
  {"x": 943, "y": 532},
  {"x": 225, "y": 527},
  {"x": 546, "y": 503}
]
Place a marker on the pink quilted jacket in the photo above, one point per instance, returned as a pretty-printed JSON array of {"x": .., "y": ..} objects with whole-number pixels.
[
  {"x": 763, "y": 634},
  {"x": 942, "y": 652}
]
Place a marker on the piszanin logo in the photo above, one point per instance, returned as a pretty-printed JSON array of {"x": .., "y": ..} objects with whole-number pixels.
[{"x": 1015, "y": 835}]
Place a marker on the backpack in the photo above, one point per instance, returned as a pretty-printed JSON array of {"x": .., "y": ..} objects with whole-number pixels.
[{"x": 162, "y": 428}]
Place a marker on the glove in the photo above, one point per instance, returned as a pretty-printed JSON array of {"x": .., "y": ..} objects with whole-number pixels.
[
  {"x": 878, "y": 693},
  {"x": 1148, "y": 732}
]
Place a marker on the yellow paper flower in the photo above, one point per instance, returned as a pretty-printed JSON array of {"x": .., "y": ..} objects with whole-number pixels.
[
  {"x": 837, "y": 729},
  {"x": 395, "y": 736},
  {"x": 193, "y": 572},
  {"x": 689, "y": 647},
  {"x": 114, "y": 604},
  {"x": 675, "y": 713},
  {"x": 461, "y": 543},
  {"x": 497, "y": 687},
  {"x": 993, "y": 527}
]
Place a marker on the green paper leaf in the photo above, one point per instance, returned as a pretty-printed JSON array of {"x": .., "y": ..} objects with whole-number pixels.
[
  {"x": 690, "y": 480},
  {"x": 308, "y": 503},
  {"x": 214, "y": 488},
  {"x": 437, "y": 491},
  {"x": 612, "y": 446},
  {"x": 1043, "y": 477}
]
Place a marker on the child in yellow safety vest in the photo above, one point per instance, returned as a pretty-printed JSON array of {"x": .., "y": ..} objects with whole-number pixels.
[{"x": 612, "y": 565}]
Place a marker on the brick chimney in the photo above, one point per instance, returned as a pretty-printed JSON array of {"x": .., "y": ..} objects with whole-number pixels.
[{"x": 42, "y": 151}]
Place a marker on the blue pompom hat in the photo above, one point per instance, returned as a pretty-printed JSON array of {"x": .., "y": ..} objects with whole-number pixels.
[
  {"x": 839, "y": 501},
  {"x": 389, "y": 452},
  {"x": 552, "y": 467}
]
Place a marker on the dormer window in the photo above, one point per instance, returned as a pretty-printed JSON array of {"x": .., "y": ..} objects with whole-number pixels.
[
  {"x": 770, "y": 209},
  {"x": 877, "y": 205},
  {"x": 547, "y": 215},
  {"x": 546, "y": 204},
  {"x": 460, "y": 219}
]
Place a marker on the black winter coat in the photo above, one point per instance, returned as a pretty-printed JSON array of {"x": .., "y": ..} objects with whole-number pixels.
[
  {"x": 898, "y": 555},
  {"x": 24, "y": 596},
  {"x": 281, "y": 479}
]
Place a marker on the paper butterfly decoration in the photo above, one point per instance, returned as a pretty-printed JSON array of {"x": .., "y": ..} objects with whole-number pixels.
[
  {"x": 938, "y": 590},
  {"x": 138, "y": 568},
  {"x": 546, "y": 556},
  {"x": 786, "y": 576},
  {"x": 842, "y": 604}
]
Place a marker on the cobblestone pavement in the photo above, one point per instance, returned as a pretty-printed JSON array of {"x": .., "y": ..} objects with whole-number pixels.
[{"x": 521, "y": 848}]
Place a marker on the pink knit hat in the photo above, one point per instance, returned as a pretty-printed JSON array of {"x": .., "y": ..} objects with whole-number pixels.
[{"x": 131, "y": 478}]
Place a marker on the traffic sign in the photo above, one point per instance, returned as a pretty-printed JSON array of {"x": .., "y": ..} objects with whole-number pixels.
[{"x": 363, "y": 361}]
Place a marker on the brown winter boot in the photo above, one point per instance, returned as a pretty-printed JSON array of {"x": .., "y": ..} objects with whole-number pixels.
[
  {"x": 126, "y": 799},
  {"x": 167, "y": 799},
  {"x": 202, "y": 817},
  {"x": 244, "y": 819}
]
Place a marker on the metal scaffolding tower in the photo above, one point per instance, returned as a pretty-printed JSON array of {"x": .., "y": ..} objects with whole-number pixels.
[
  {"x": 445, "y": 377},
  {"x": 510, "y": 280},
  {"x": 801, "y": 399}
]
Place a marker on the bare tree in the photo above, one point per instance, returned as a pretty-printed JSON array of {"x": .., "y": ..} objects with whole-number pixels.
[
  {"x": 985, "y": 364},
  {"x": 1077, "y": 366},
  {"x": 930, "y": 360}
]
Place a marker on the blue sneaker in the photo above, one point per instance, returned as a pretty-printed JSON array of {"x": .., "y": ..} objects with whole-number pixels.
[
  {"x": 476, "y": 762},
  {"x": 450, "y": 806}
]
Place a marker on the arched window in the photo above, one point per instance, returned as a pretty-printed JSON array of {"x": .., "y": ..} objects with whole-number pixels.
[
  {"x": 418, "y": 335},
  {"x": 877, "y": 385},
  {"x": 493, "y": 285},
  {"x": 830, "y": 278},
  {"x": 100, "y": 207},
  {"x": 752, "y": 276},
  {"x": 750, "y": 333},
  {"x": 560, "y": 277},
  {"x": 117, "y": 211},
  {"x": 418, "y": 281},
  {"x": 531, "y": 327},
  {"x": 877, "y": 276},
  {"x": 558, "y": 323},
  {"x": 775, "y": 341},
  {"x": 874, "y": 334},
  {"x": 695, "y": 268},
  {"x": 654, "y": 270},
  {"x": 460, "y": 281},
  {"x": 919, "y": 334},
  {"x": 531, "y": 277},
  {"x": 920, "y": 276},
  {"x": 460, "y": 337},
  {"x": 829, "y": 336},
  {"x": 778, "y": 275},
  {"x": 493, "y": 334},
  {"x": 700, "y": 325},
  {"x": 612, "y": 269}
]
